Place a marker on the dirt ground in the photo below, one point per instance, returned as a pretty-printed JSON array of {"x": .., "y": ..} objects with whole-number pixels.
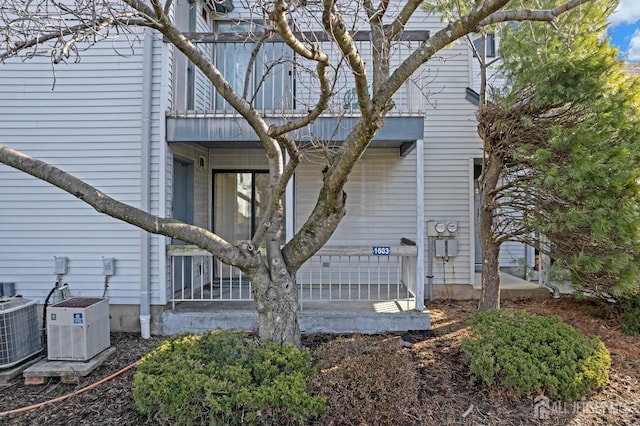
[{"x": 421, "y": 378}]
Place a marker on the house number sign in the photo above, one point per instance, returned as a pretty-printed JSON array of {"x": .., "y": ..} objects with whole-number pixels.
[{"x": 381, "y": 251}]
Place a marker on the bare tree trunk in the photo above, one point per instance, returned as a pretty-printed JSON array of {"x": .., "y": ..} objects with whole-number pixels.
[
  {"x": 277, "y": 305},
  {"x": 490, "y": 292}
]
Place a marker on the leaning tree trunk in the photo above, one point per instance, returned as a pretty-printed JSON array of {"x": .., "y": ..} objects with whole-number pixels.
[{"x": 490, "y": 292}]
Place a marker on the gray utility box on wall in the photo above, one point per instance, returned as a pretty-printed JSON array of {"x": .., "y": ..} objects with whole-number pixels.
[{"x": 77, "y": 329}]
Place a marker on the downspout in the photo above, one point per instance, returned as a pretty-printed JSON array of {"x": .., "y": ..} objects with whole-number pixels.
[
  {"x": 430, "y": 266},
  {"x": 420, "y": 224},
  {"x": 145, "y": 154}
]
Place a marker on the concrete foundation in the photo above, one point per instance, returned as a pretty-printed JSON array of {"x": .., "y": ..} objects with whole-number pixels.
[
  {"x": 469, "y": 292},
  {"x": 126, "y": 318},
  {"x": 315, "y": 320}
]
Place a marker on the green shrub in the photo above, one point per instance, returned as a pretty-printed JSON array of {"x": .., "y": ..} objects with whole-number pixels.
[
  {"x": 526, "y": 353},
  {"x": 225, "y": 377},
  {"x": 629, "y": 314}
]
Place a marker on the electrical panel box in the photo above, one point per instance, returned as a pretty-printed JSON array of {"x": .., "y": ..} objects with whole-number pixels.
[
  {"x": 109, "y": 266},
  {"x": 61, "y": 263},
  {"x": 19, "y": 331},
  {"x": 78, "y": 329},
  {"x": 452, "y": 247},
  {"x": 446, "y": 248}
]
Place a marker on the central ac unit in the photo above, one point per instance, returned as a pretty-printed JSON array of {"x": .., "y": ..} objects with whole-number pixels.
[
  {"x": 19, "y": 331},
  {"x": 77, "y": 329}
]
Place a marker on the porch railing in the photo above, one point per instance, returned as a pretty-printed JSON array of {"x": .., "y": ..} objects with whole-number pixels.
[{"x": 385, "y": 273}]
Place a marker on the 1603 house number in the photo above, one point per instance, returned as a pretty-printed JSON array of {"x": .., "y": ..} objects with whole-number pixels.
[{"x": 381, "y": 251}]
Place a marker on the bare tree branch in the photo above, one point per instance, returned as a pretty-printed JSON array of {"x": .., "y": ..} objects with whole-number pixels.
[
  {"x": 334, "y": 24},
  {"x": 401, "y": 20},
  {"x": 127, "y": 213},
  {"x": 550, "y": 15},
  {"x": 315, "y": 54}
]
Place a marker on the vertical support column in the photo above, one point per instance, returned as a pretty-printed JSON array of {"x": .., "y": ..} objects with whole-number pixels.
[
  {"x": 289, "y": 205},
  {"x": 420, "y": 224}
]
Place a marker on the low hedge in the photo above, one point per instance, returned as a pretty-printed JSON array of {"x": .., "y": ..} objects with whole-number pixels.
[
  {"x": 526, "y": 353},
  {"x": 226, "y": 378}
]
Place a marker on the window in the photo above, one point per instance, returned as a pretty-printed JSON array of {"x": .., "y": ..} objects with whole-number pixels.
[
  {"x": 490, "y": 43},
  {"x": 267, "y": 82},
  {"x": 232, "y": 59}
]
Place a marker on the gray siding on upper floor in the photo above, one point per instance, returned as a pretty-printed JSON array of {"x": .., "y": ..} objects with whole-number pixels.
[{"x": 203, "y": 94}]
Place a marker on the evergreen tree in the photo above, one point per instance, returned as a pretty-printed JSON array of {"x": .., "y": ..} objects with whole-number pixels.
[{"x": 562, "y": 153}]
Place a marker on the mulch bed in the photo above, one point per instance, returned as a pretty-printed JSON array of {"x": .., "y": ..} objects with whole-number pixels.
[{"x": 430, "y": 381}]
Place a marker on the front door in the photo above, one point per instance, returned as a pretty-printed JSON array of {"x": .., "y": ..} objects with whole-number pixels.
[{"x": 182, "y": 207}]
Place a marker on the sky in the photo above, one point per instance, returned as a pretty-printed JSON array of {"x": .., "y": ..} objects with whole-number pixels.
[{"x": 624, "y": 29}]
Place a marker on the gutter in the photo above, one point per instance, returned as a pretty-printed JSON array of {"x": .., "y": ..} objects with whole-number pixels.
[{"x": 145, "y": 158}]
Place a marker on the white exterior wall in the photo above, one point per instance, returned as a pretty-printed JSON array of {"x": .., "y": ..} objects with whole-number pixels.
[
  {"x": 512, "y": 254},
  {"x": 91, "y": 126},
  {"x": 450, "y": 142},
  {"x": 99, "y": 102},
  {"x": 381, "y": 199}
]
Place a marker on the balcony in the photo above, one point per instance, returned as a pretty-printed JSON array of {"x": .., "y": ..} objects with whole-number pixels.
[{"x": 283, "y": 86}]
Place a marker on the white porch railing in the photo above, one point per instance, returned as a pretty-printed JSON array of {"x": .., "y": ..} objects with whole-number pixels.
[{"x": 334, "y": 273}]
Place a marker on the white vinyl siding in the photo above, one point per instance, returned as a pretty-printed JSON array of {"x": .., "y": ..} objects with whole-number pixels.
[
  {"x": 450, "y": 141},
  {"x": 90, "y": 126},
  {"x": 381, "y": 199}
]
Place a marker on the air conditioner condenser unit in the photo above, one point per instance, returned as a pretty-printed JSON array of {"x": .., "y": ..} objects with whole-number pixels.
[
  {"x": 77, "y": 329},
  {"x": 19, "y": 331}
]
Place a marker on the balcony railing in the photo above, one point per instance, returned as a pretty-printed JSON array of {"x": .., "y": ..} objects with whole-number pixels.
[
  {"x": 277, "y": 82},
  {"x": 334, "y": 273}
]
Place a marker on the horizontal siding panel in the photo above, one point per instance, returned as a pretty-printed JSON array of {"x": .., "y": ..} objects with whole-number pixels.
[
  {"x": 76, "y": 140},
  {"x": 380, "y": 183},
  {"x": 67, "y": 90},
  {"x": 89, "y": 124}
]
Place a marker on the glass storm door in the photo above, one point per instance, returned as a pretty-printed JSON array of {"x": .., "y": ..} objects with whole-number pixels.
[{"x": 238, "y": 203}]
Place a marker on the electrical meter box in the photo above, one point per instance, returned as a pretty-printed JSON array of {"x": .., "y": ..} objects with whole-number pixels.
[{"x": 77, "y": 329}]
